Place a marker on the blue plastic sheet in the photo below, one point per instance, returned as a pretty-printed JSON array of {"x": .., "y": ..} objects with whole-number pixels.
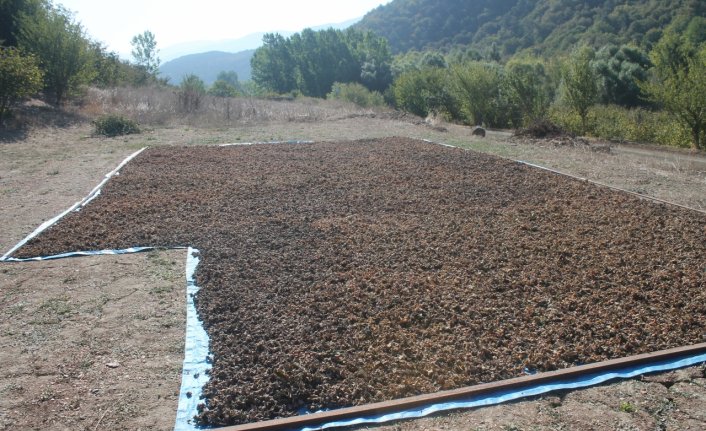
[
  {"x": 75, "y": 207},
  {"x": 529, "y": 391},
  {"x": 81, "y": 253},
  {"x": 196, "y": 354}
]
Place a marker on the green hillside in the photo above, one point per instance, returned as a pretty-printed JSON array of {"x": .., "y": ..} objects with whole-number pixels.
[{"x": 509, "y": 26}]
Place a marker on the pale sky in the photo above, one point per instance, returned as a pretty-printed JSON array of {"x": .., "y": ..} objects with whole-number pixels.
[{"x": 115, "y": 22}]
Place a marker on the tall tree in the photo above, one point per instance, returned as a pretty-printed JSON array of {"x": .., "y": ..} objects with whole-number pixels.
[
  {"x": 145, "y": 52},
  {"x": 679, "y": 82},
  {"x": 478, "y": 87},
  {"x": 526, "y": 83},
  {"x": 107, "y": 65},
  {"x": 273, "y": 66},
  {"x": 372, "y": 54},
  {"x": 190, "y": 93},
  {"x": 311, "y": 61},
  {"x": 426, "y": 91},
  {"x": 579, "y": 83},
  {"x": 230, "y": 77},
  {"x": 618, "y": 70},
  {"x": 11, "y": 13},
  {"x": 63, "y": 50},
  {"x": 226, "y": 85}
]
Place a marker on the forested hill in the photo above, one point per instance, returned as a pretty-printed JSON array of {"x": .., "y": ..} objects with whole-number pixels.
[{"x": 509, "y": 26}]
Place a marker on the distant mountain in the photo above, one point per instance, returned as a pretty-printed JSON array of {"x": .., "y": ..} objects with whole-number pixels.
[
  {"x": 207, "y": 65},
  {"x": 250, "y": 41},
  {"x": 546, "y": 26},
  {"x": 206, "y": 59}
]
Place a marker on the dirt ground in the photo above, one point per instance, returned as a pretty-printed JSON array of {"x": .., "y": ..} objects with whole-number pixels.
[{"x": 97, "y": 343}]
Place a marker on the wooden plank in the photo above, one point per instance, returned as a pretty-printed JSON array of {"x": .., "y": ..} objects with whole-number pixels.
[{"x": 468, "y": 392}]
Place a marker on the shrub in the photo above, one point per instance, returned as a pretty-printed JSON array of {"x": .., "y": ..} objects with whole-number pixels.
[
  {"x": 115, "y": 125},
  {"x": 222, "y": 88},
  {"x": 622, "y": 124},
  {"x": 627, "y": 407},
  {"x": 191, "y": 91},
  {"x": 20, "y": 77},
  {"x": 426, "y": 91},
  {"x": 478, "y": 91},
  {"x": 526, "y": 83},
  {"x": 357, "y": 94}
]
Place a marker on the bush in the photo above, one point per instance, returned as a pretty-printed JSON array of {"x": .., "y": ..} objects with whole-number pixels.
[
  {"x": 222, "y": 88},
  {"x": 20, "y": 77},
  {"x": 191, "y": 92},
  {"x": 115, "y": 125},
  {"x": 478, "y": 91},
  {"x": 357, "y": 94},
  {"x": 622, "y": 124},
  {"x": 426, "y": 91}
]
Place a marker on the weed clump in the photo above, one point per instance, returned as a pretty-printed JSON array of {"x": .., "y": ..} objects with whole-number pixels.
[{"x": 115, "y": 125}]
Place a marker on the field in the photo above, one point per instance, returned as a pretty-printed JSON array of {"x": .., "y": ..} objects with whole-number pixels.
[{"x": 39, "y": 180}]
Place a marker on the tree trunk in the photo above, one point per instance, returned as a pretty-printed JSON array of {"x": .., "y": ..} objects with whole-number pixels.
[{"x": 696, "y": 136}]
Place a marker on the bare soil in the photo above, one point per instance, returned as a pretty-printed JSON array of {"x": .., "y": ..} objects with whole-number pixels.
[
  {"x": 337, "y": 274},
  {"x": 92, "y": 343},
  {"x": 48, "y": 169}
]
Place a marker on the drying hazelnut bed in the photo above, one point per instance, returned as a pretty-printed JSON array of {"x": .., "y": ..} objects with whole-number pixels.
[{"x": 337, "y": 274}]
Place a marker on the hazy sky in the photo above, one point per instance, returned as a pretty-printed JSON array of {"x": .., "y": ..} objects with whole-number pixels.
[{"x": 115, "y": 22}]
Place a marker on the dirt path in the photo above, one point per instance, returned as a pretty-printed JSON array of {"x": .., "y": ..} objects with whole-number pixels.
[
  {"x": 676, "y": 155},
  {"x": 60, "y": 339}
]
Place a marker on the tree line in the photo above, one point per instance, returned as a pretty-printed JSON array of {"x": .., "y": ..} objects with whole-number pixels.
[
  {"x": 615, "y": 91},
  {"x": 618, "y": 91},
  {"x": 310, "y": 62},
  {"x": 582, "y": 91},
  {"x": 43, "y": 48}
]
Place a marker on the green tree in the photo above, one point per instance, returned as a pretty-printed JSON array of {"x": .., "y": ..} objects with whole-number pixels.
[
  {"x": 222, "y": 88},
  {"x": 527, "y": 85},
  {"x": 679, "y": 83},
  {"x": 618, "y": 70},
  {"x": 579, "y": 86},
  {"x": 107, "y": 65},
  {"x": 145, "y": 52},
  {"x": 373, "y": 58},
  {"x": 20, "y": 77},
  {"x": 62, "y": 48},
  {"x": 433, "y": 59},
  {"x": 11, "y": 13},
  {"x": 478, "y": 89},
  {"x": 231, "y": 77},
  {"x": 311, "y": 61},
  {"x": 322, "y": 58},
  {"x": 426, "y": 91},
  {"x": 273, "y": 66}
]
